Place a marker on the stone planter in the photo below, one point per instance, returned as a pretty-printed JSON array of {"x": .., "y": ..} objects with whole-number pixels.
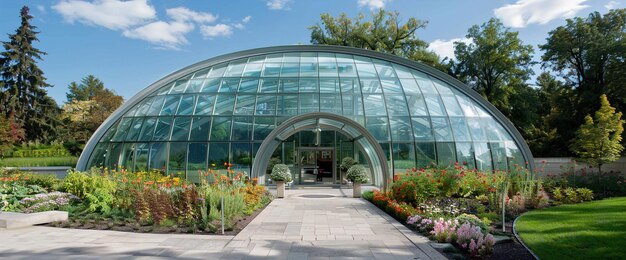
[
  {"x": 356, "y": 190},
  {"x": 280, "y": 189}
]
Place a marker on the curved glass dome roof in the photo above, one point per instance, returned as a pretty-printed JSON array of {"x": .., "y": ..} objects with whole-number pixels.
[{"x": 221, "y": 109}]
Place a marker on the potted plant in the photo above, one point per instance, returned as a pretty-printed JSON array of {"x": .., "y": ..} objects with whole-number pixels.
[
  {"x": 346, "y": 163},
  {"x": 280, "y": 174},
  {"x": 357, "y": 175}
]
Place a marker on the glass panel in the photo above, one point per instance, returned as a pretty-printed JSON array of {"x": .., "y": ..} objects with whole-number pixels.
[
  {"x": 162, "y": 131},
  {"x": 171, "y": 103},
  {"x": 344, "y": 57},
  {"x": 308, "y": 57},
  {"x": 329, "y": 85},
  {"x": 262, "y": 127},
  {"x": 122, "y": 129},
  {"x": 361, "y": 59},
  {"x": 164, "y": 90},
  {"x": 309, "y": 103},
  {"x": 211, "y": 85},
  {"x": 514, "y": 156},
  {"x": 403, "y": 72},
  {"x": 483, "y": 157},
  {"x": 326, "y": 57},
  {"x": 460, "y": 130},
  {"x": 147, "y": 129},
  {"x": 308, "y": 85},
  {"x": 308, "y": 69},
  {"x": 217, "y": 71},
  {"x": 446, "y": 154},
  {"x": 435, "y": 106},
  {"x": 417, "y": 105},
  {"x": 229, "y": 85},
  {"x": 491, "y": 129},
  {"x": 391, "y": 86},
  {"x": 378, "y": 127},
  {"x": 366, "y": 70},
  {"x": 421, "y": 129},
  {"x": 346, "y": 69},
  {"x": 224, "y": 105},
  {"x": 287, "y": 105},
  {"x": 349, "y": 86},
  {"x": 466, "y": 106},
  {"x": 465, "y": 154},
  {"x": 114, "y": 156},
  {"x": 384, "y": 69},
  {"x": 330, "y": 103},
  {"x": 249, "y": 85},
  {"x": 265, "y": 105},
  {"x": 195, "y": 85},
  {"x": 400, "y": 129},
  {"x": 134, "y": 130},
  {"x": 158, "y": 156},
  {"x": 245, "y": 105},
  {"x": 374, "y": 105},
  {"x": 328, "y": 69},
  {"x": 288, "y": 86},
  {"x": 269, "y": 85},
  {"x": 352, "y": 104},
  {"x": 242, "y": 128},
  {"x": 179, "y": 87},
  {"x": 178, "y": 157},
  {"x": 371, "y": 86},
  {"x": 396, "y": 105},
  {"x": 141, "y": 157},
  {"x": 181, "y": 129},
  {"x": 441, "y": 128},
  {"x": 144, "y": 107},
  {"x": 235, "y": 68},
  {"x": 451, "y": 105},
  {"x": 274, "y": 57},
  {"x": 426, "y": 86},
  {"x": 220, "y": 130},
  {"x": 200, "y": 129},
  {"x": 218, "y": 154},
  {"x": 204, "y": 105},
  {"x": 109, "y": 133},
  {"x": 253, "y": 69},
  {"x": 201, "y": 73},
  {"x": 290, "y": 70},
  {"x": 196, "y": 160},
  {"x": 155, "y": 108},
  {"x": 271, "y": 70},
  {"x": 403, "y": 157},
  {"x": 242, "y": 157},
  {"x": 186, "y": 105},
  {"x": 425, "y": 154},
  {"x": 498, "y": 153},
  {"x": 98, "y": 157},
  {"x": 442, "y": 87},
  {"x": 476, "y": 129},
  {"x": 291, "y": 57}
]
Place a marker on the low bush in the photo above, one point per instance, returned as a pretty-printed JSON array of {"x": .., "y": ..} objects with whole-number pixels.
[
  {"x": 281, "y": 172},
  {"x": 357, "y": 174},
  {"x": 39, "y": 162},
  {"x": 571, "y": 195},
  {"x": 47, "y": 201}
]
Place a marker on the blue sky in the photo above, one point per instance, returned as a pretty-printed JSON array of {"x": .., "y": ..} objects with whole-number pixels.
[{"x": 131, "y": 44}]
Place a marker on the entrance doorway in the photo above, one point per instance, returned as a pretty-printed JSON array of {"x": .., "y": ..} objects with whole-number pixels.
[{"x": 316, "y": 165}]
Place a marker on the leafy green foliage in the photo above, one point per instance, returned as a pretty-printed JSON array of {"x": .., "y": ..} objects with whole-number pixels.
[
  {"x": 347, "y": 162},
  {"x": 599, "y": 141},
  {"x": 281, "y": 172},
  {"x": 96, "y": 190},
  {"x": 357, "y": 174}
]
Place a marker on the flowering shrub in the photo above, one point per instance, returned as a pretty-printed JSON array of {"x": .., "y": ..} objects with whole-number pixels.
[
  {"x": 471, "y": 239},
  {"x": 281, "y": 172},
  {"x": 47, "y": 201},
  {"x": 444, "y": 230},
  {"x": 357, "y": 174},
  {"x": 475, "y": 221}
]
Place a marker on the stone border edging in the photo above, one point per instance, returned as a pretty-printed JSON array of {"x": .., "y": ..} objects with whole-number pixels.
[
  {"x": 421, "y": 242},
  {"x": 520, "y": 239}
]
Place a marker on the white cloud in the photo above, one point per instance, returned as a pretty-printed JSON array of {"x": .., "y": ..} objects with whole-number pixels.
[
  {"x": 211, "y": 31},
  {"x": 111, "y": 14},
  {"x": 184, "y": 14},
  {"x": 167, "y": 35},
  {"x": 278, "y": 4},
  {"x": 244, "y": 21},
  {"x": 525, "y": 12},
  {"x": 373, "y": 4},
  {"x": 445, "y": 48},
  {"x": 41, "y": 9},
  {"x": 611, "y": 5}
]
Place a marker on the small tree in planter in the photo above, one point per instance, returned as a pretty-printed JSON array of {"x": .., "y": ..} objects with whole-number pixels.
[
  {"x": 346, "y": 163},
  {"x": 357, "y": 175},
  {"x": 280, "y": 174}
]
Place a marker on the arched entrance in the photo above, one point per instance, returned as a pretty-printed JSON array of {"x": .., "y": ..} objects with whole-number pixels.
[{"x": 368, "y": 145}]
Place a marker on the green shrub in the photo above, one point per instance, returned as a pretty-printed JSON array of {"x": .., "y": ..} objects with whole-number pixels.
[
  {"x": 96, "y": 190},
  {"x": 49, "y": 182},
  {"x": 368, "y": 195},
  {"x": 281, "y": 172},
  {"x": 347, "y": 162},
  {"x": 39, "y": 162},
  {"x": 474, "y": 220},
  {"x": 357, "y": 174},
  {"x": 585, "y": 194}
]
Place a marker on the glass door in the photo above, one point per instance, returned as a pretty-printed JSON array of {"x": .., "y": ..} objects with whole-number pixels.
[{"x": 316, "y": 165}]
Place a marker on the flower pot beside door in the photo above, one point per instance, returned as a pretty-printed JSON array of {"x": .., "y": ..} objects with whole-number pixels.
[
  {"x": 280, "y": 174},
  {"x": 357, "y": 175}
]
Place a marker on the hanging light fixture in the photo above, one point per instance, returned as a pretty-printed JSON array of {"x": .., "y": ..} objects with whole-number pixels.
[{"x": 318, "y": 135}]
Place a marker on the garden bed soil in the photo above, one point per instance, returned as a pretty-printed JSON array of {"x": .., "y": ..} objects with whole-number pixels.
[{"x": 116, "y": 225}]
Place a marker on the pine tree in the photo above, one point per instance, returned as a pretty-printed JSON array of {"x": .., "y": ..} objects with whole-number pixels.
[
  {"x": 23, "y": 84},
  {"x": 598, "y": 139}
]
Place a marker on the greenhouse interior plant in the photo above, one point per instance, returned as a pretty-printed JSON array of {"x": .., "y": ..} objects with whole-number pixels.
[
  {"x": 280, "y": 174},
  {"x": 357, "y": 175},
  {"x": 346, "y": 163}
]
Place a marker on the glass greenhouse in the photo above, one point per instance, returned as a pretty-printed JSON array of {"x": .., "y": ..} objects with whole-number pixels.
[{"x": 307, "y": 107}]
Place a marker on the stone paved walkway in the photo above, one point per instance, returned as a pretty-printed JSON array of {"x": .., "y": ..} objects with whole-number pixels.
[{"x": 308, "y": 224}]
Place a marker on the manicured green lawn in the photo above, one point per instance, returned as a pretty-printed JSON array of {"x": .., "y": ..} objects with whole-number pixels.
[
  {"x": 39, "y": 161},
  {"x": 590, "y": 230}
]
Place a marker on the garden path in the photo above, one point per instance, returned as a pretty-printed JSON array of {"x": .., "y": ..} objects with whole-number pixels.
[{"x": 307, "y": 224}]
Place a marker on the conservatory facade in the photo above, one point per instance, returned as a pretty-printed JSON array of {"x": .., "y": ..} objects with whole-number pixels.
[{"x": 308, "y": 107}]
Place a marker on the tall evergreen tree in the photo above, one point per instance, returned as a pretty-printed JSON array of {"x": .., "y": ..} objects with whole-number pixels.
[{"x": 23, "y": 84}]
